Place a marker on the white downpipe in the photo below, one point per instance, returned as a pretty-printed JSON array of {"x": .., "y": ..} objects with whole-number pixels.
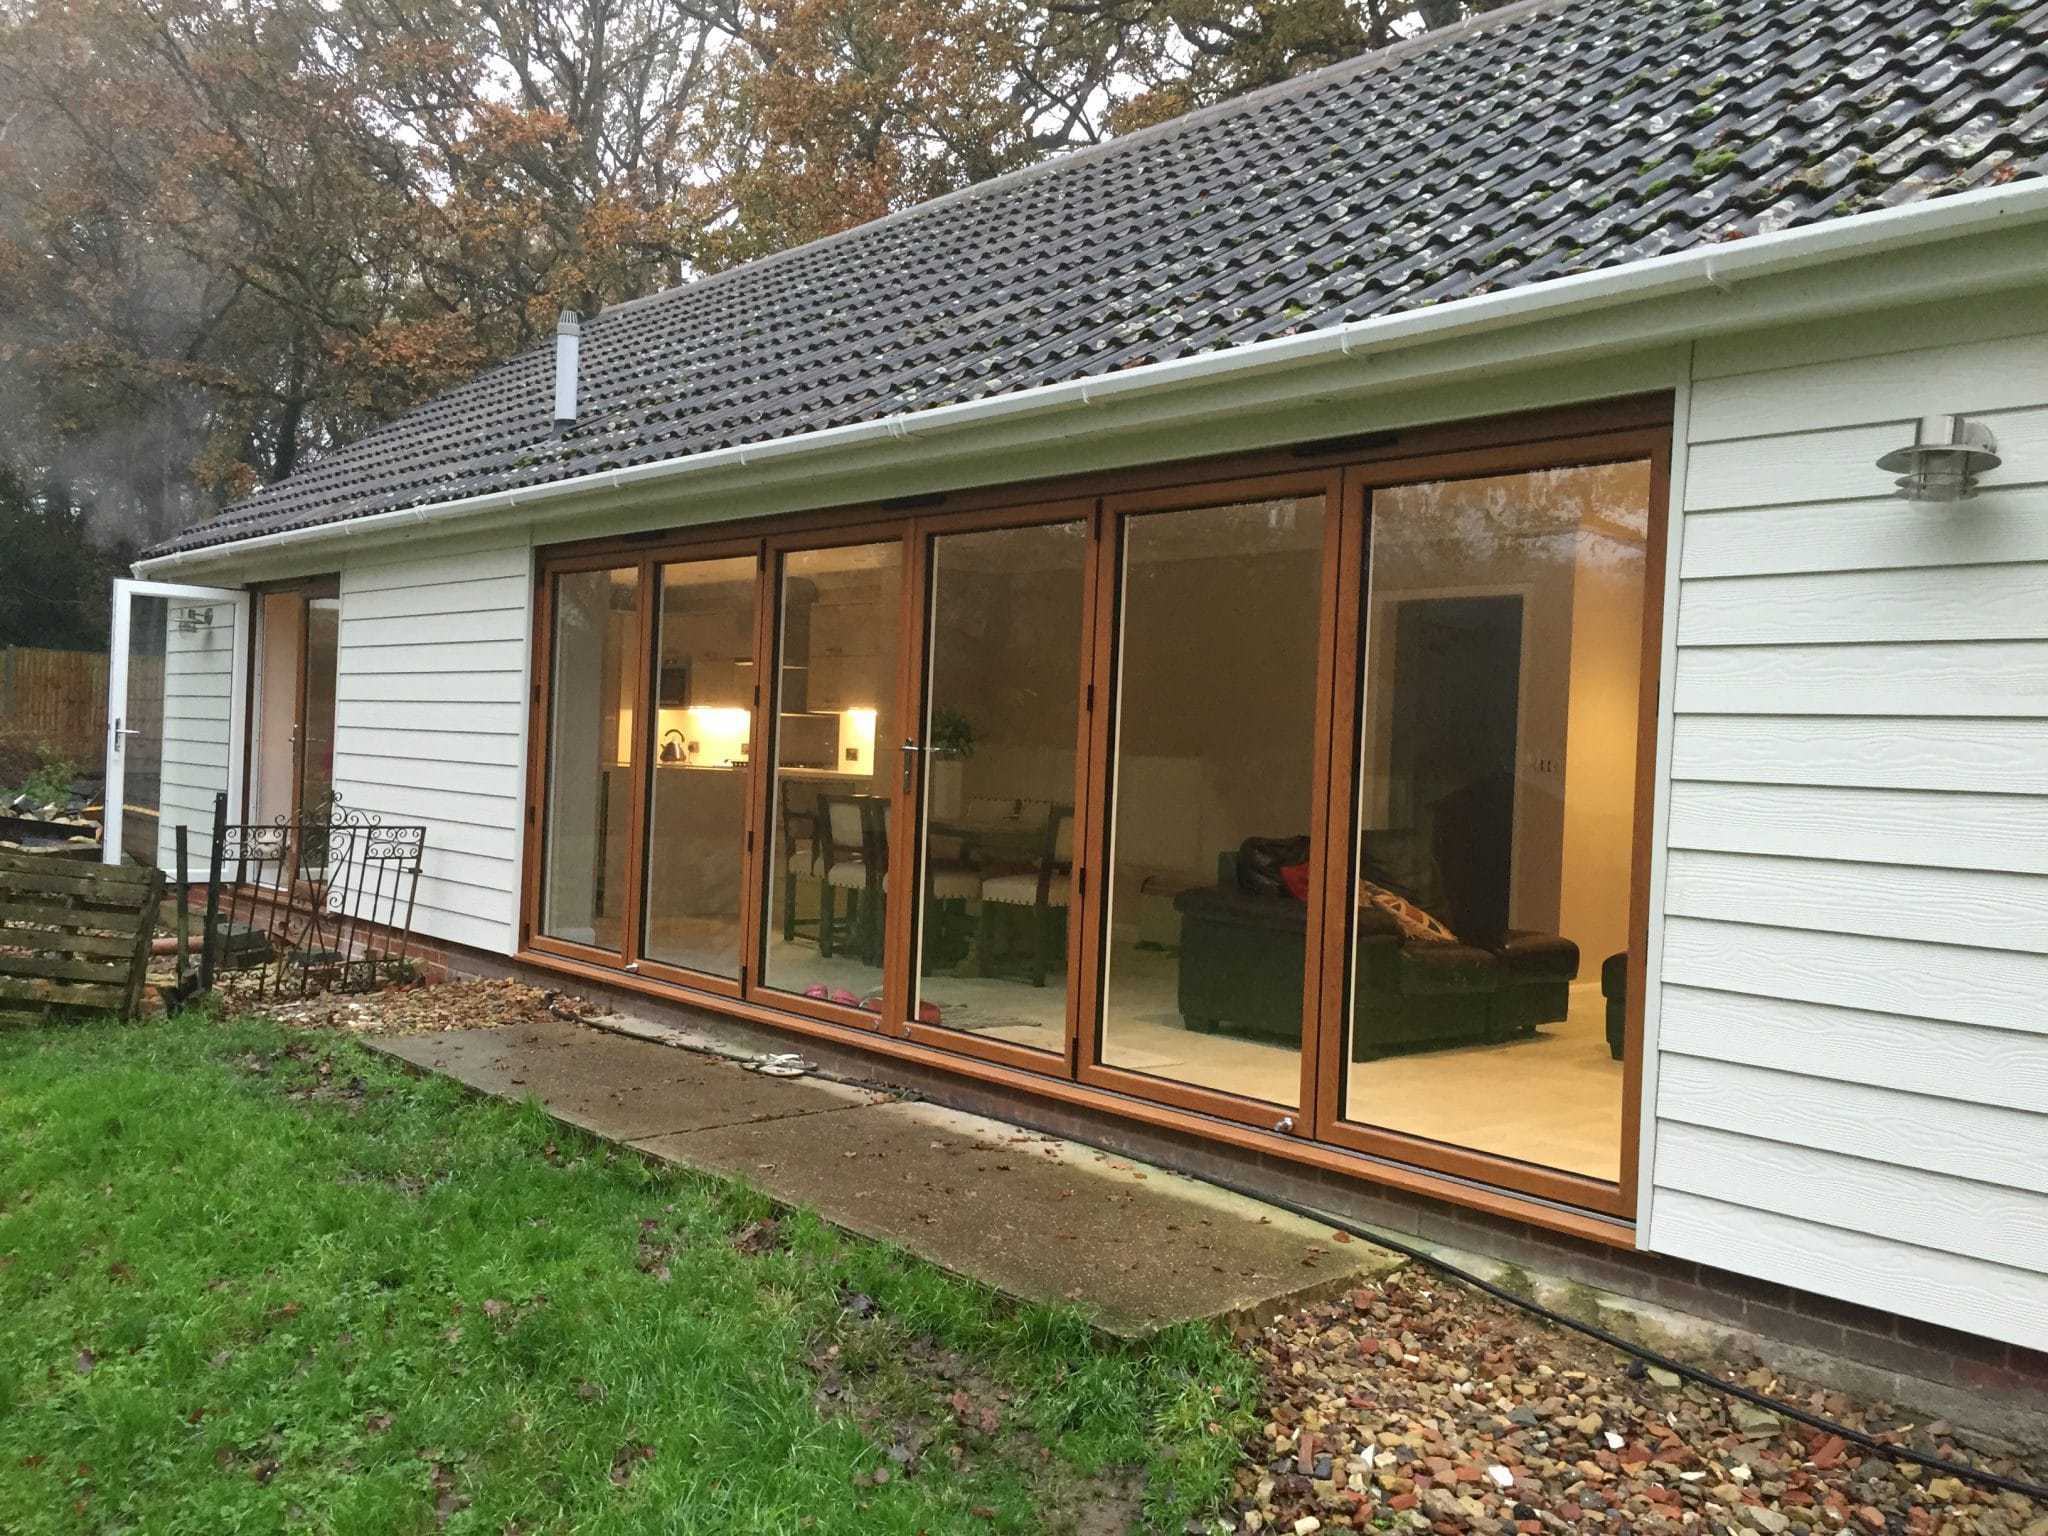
[{"x": 1716, "y": 268}]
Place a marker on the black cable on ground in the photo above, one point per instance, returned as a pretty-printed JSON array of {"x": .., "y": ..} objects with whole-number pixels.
[{"x": 1693, "y": 1373}]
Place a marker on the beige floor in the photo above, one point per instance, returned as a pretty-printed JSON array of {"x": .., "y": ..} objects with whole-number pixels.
[{"x": 1553, "y": 1099}]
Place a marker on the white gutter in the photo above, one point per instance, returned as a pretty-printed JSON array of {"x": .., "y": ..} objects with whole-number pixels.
[{"x": 1717, "y": 267}]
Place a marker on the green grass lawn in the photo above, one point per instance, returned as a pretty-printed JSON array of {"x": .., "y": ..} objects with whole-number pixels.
[{"x": 258, "y": 1280}]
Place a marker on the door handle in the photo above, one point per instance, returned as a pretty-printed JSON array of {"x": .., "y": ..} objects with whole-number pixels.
[{"x": 910, "y": 751}]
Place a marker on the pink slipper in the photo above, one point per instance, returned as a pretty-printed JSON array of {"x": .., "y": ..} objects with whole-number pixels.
[
  {"x": 872, "y": 1003},
  {"x": 816, "y": 990},
  {"x": 844, "y": 998},
  {"x": 929, "y": 1013}
]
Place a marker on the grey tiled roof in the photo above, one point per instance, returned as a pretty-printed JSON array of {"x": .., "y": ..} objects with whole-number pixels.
[{"x": 1551, "y": 139}]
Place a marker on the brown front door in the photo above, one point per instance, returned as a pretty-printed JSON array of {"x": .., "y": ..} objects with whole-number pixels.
[{"x": 1001, "y": 644}]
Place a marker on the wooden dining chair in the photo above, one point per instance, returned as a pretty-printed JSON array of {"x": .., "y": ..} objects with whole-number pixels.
[
  {"x": 800, "y": 860},
  {"x": 1046, "y": 891},
  {"x": 845, "y": 845},
  {"x": 950, "y": 876}
]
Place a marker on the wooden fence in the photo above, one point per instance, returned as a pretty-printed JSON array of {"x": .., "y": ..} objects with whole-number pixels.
[{"x": 55, "y": 701}]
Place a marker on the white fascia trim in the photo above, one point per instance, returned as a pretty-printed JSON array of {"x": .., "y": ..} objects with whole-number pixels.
[{"x": 1717, "y": 267}]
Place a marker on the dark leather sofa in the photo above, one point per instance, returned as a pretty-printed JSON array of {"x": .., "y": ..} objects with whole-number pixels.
[{"x": 1241, "y": 962}]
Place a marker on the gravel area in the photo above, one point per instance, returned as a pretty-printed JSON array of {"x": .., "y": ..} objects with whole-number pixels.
[
  {"x": 420, "y": 1009},
  {"x": 1418, "y": 1403}
]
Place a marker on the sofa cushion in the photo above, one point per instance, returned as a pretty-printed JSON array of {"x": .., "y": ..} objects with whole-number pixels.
[
  {"x": 1427, "y": 969},
  {"x": 1526, "y": 957},
  {"x": 1227, "y": 904},
  {"x": 1414, "y": 922}
]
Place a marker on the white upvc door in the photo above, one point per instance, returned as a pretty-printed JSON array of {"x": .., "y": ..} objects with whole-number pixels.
[{"x": 177, "y": 717}]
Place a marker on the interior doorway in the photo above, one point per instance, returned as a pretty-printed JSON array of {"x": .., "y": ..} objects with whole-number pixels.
[
  {"x": 1455, "y": 738},
  {"x": 298, "y": 636}
]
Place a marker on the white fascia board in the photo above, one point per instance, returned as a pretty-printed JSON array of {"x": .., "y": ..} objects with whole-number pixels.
[{"x": 1054, "y": 411}]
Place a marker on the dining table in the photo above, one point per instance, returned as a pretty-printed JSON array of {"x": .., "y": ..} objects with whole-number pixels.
[{"x": 1000, "y": 844}]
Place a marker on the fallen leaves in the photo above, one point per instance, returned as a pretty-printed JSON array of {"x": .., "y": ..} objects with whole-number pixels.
[
  {"x": 447, "y": 1502},
  {"x": 430, "y": 1008},
  {"x": 627, "y": 1461}
]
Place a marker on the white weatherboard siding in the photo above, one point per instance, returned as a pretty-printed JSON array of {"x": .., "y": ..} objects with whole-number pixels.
[
  {"x": 430, "y": 723},
  {"x": 1852, "y": 1091},
  {"x": 198, "y": 681}
]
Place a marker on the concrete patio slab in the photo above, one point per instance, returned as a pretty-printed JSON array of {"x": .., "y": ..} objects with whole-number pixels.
[
  {"x": 613, "y": 1087},
  {"x": 1135, "y": 1247},
  {"x": 1040, "y": 1219}
]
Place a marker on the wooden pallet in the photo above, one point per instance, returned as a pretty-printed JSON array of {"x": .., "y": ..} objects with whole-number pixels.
[{"x": 74, "y": 938}]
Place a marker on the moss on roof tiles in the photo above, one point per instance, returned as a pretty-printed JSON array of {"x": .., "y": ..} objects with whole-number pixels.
[{"x": 1489, "y": 155}]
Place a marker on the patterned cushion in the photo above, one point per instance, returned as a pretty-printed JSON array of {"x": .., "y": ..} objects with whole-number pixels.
[{"x": 1415, "y": 923}]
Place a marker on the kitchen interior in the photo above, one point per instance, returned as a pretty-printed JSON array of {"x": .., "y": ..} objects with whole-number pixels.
[{"x": 834, "y": 673}]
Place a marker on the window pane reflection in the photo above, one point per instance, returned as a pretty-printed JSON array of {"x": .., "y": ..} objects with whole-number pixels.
[
  {"x": 1002, "y": 718},
  {"x": 1497, "y": 803},
  {"x": 836, "y": 737},
  {"x": 590, "y": 757},
  {"x": 1213, "y": 771},
  {"x": 697, "y": 803}
]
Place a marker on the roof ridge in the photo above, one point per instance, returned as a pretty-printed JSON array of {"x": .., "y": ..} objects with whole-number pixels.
[{"x": 1298, "y": 85}]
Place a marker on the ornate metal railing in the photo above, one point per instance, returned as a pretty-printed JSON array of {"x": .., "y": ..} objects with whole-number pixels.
[{"x": 320, "y": 902}]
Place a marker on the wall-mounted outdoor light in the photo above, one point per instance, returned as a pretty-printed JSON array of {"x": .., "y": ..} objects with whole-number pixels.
[{"x": 1947, "y": 456}]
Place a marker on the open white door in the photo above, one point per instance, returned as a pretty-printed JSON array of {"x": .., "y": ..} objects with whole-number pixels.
[{"x": 177, "y": 706}]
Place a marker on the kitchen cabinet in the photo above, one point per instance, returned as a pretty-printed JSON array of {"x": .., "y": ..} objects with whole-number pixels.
[
  {"x": 846, "y": 667},
  {"x": 716, "y": 647}
]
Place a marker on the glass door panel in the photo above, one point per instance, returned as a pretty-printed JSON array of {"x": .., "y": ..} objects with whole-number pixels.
[
  {"x": 280, "y": 668},
  {"x": 1212, "y": 780},
  {"x": 593, "y": 681},
  {"x": 837, "y": 762},
  {"x": 1007, "y": 611},
  {"x": 700, "y": 768},
  {"x": 1500, "y": 720},
  {"x": 316, "y": 728},
  {"x": 175, "y": 717}
]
